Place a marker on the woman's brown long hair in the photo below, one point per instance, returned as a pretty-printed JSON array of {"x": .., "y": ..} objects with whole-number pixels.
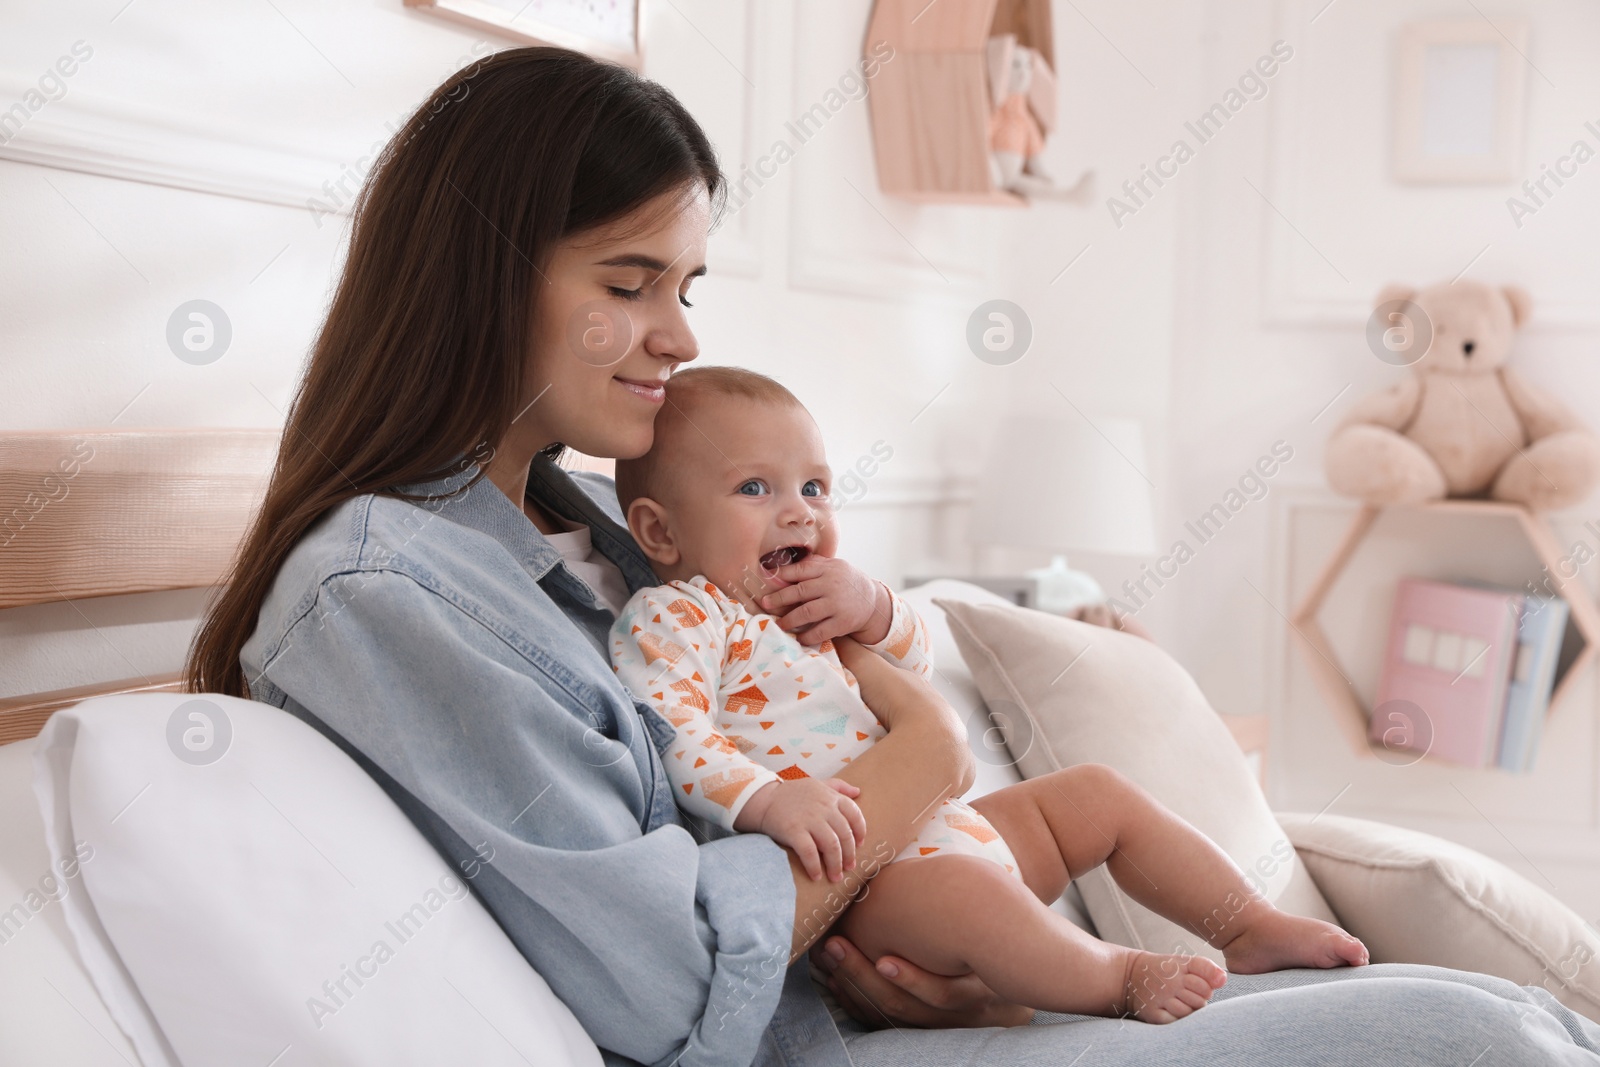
[{"x": 421, "y": 358}]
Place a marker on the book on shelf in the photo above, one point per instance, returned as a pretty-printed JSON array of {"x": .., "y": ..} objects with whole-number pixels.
[
  {"x": 1450, "y": 653},
  {"x": 1533, "y": 676}
]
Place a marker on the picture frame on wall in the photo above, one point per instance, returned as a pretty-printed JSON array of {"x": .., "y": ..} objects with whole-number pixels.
[
  {"x": 1459, "y": 101},
  {"x": 605, "y": 29}
]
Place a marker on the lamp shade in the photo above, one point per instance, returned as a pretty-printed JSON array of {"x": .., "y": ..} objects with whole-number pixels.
[{"x": 1066, "y": 485}]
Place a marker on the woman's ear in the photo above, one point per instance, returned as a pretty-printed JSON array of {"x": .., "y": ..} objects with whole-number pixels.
[{"x": 647, "y": 521}]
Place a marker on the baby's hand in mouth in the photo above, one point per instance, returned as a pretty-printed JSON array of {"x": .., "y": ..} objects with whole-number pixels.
[
  {"x": 782, "y": 557},
  {"x": 827, "y": 597}
]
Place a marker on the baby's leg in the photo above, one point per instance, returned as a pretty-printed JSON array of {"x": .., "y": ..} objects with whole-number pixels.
[
  {"x": 1062, "y": 825},
  {"x": 958, "y": 914}
]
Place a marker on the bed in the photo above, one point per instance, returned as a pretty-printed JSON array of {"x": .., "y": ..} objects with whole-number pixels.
[{"x": 228, "y": 907}]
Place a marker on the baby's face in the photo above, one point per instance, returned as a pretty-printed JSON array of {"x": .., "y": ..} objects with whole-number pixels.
[{"x": 746, "y": 494}]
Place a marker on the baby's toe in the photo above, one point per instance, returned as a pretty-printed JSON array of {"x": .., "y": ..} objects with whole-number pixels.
[
  {"x": 1349, "y": 951},
  {"x": 1209, "y": 972}
]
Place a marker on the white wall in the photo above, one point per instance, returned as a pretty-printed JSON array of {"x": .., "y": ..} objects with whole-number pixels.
[
  {"x": 858, "y": 302},
  {"x": 1225, "y": 314},
  {"x": 1269, "y": 321},
  {"x": 1270, "y": 307}
]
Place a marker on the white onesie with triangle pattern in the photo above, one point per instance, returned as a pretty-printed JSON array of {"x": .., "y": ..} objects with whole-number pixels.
[{"x": 751, "y": 705}]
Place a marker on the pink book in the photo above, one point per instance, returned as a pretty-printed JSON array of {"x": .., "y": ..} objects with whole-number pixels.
[{"x": 1450, "y": 653}]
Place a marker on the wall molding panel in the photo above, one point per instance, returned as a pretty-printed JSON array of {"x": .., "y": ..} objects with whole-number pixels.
[
  {"x": 117, "y": 139},
  {"x": 845, "y": 237},
  {"x": 737, "y": 244}
]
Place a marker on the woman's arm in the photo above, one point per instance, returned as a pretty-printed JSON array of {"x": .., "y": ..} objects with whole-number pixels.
[
  {"x": 513, "y": 749},
  {"x": 896, "y": 992},
  {"x": 902, "y": 778}
]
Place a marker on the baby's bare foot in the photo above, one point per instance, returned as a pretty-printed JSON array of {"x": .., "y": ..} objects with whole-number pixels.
[
  {"x": 1161, "y": 989},
  {"x": 1276, "y": 940}
]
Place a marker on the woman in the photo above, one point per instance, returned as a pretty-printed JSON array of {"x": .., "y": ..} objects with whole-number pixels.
[{"x": 430, "y": 590}]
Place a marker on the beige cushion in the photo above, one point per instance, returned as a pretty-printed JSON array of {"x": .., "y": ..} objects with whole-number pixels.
[
  {"x": 1066, "y": 692},
  {"x": 1414, "y": 898}
]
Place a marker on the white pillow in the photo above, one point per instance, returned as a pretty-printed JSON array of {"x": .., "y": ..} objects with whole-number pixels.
[
  {"x": 49, "y": 1010},
  {"x": 253, "y": 891},
  {"x": 1414, "y": 898},
  {"x": 1067, "y": 692}
]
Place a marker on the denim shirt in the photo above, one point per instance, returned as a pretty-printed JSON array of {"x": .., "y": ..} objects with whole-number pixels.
[{"x": 448, "y": 649}]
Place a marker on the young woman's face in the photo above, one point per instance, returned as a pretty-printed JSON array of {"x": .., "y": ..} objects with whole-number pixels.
[{"x": 610, "y": 326}]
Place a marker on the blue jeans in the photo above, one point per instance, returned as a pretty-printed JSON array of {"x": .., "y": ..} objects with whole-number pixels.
[{"x": 1384, "y": 1015}]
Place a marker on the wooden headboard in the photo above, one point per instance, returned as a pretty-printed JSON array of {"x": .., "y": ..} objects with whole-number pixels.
[{"x": 101, "y": 513}]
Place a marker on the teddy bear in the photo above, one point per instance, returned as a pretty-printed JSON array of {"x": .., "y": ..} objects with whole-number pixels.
[{"x": 1463, "y": 424}]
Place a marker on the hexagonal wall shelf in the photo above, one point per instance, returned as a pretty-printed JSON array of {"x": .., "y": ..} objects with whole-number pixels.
[{"x": 1320, "y": 654}]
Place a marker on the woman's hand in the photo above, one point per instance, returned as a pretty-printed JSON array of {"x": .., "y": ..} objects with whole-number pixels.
[
  {"x": 897, "y": 993},
  {"x": 897, "y": 696},
  {"x": 883, "y": 686},
  {"x": 889, "y": 692}
]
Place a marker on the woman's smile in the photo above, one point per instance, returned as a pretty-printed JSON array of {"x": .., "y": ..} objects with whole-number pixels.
[{"x": 650, "y": 390}]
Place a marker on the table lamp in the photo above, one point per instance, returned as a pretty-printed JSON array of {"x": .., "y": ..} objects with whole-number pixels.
[{"x": 1066, "y": 484}]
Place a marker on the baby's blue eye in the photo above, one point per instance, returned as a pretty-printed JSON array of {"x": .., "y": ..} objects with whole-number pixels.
[
  {"x": 752, "y": 488},
  {"x": 811, "y": 488}
]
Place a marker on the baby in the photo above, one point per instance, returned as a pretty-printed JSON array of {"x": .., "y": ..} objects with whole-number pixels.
[{"x": 736, "y": 652}]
